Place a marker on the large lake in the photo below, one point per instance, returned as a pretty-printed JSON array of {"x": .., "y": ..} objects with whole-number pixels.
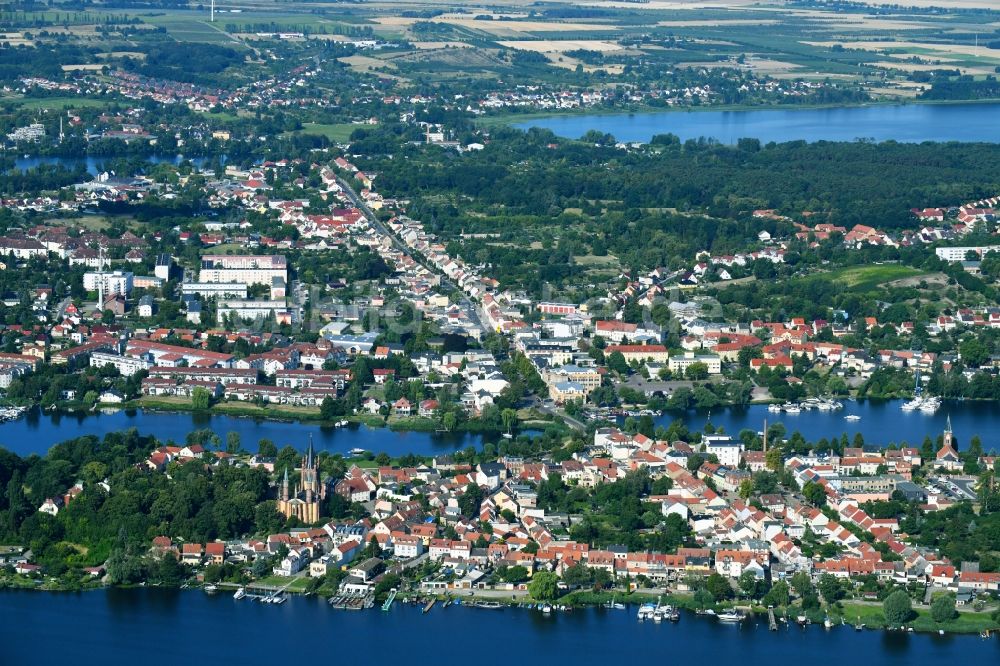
[
  {"x": 36, "y": 432},
  {"x": 911, "y": 123},
  {"x": 168, "y": 627},
  {"x": 95, "y": 165},
  {"x": 881, "y": 423}
]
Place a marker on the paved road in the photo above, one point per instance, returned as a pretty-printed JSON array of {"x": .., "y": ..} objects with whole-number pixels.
[
  {"x": 61, "y": 308},
  {"x": 572, "y": 422},
  {"x": 465, "y": 302}
]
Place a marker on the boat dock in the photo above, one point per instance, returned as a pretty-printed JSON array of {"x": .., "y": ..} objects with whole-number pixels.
[
  {"x": 430, "y": 605},
  {"x": 352, "y": 601},
  {"x": 392, "y": 597},
  {"x": 772, "y": 623}
]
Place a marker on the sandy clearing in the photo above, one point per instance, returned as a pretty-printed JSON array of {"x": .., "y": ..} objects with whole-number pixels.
[
  {"x": 135, "y": 55},
  {"x": 673, "y": 4},
  {"x": 83, "y": 68},
  {"x": 440, "y": 45},
  {"x": 945, "y": 63},
  {"x": 561, "y": 45},
  {"x": 363, "y": 61},
  {"x": 721, "y": 23},
  {"x": 945, "y": 49},
  {"x": 369, "y": 65},
  {"x": 498, "y": 27},
  {"x": 768, "y": 66},
  {"x": 565, "y": 62},
  {"x": 964, "y": 4}
]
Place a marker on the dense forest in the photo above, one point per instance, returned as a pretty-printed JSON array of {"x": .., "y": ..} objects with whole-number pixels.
[
  {"x": 536, "y": 200},
  {"x": 188, "y": 62},
  {"x": 200, "y": 502},
  {"x": 859, "y": 182}
]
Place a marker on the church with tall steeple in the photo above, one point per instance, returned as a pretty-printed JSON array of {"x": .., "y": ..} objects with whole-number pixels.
[
  {"x": 947, "y": 456},
  {"x": 302, "y": 500}
]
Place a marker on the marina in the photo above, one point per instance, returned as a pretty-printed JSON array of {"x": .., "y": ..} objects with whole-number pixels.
[{"x": 107, "y": 626}]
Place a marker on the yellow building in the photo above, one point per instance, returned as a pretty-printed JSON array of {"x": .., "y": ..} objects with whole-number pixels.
[{"x": 303, "y": 502}]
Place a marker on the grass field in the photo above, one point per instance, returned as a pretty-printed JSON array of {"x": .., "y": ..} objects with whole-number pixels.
[
  {"x": 191, "y": 27},
  {"x": 54, "y": 102},
  {"x": 966, "y": 622},
  {"x": 298, "y": 585},
  {"x": 867, "y": 278},
  {"x": 338, "y": 133}
]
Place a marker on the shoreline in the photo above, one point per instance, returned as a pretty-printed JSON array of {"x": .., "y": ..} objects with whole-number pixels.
[
  {"x": 587, "y": 600},
  {"x": 512, "y": 119},
  {"x": 268, "y": 414}
]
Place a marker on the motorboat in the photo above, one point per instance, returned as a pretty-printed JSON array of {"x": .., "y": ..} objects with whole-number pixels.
[
  {"x": 930, "y": 404},
  {"x": 731, "y": 616}
]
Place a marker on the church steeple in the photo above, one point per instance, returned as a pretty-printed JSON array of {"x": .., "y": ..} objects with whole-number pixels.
[
  {"x": 948, "y": 441},
  {"x": 284, "y": 487}
]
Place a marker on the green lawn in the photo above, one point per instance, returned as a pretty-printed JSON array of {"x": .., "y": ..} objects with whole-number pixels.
[
  {"x": 299, "y": 584},
  {"x": 338, "y": 133},
  {"x": 965, "y": 622},
  {"x": 866, "y": 278},
  {"x": 54, "y": 102}
]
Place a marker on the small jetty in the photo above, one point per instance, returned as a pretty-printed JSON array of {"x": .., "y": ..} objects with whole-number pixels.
[
  {"x": 772, "y": 623},
  {"x": 352, "y": 602},
  {"x": 392, "y": 597},
  {"x": 430, "y": 605}
]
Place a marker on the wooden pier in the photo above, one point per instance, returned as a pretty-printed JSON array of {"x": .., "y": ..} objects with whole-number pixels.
[
  {"x": 430, "y": 605},
  {"x": 772, "y": 623}
]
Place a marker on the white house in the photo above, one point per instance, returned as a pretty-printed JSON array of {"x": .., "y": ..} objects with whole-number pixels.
[{"x": 725, "y": 449}]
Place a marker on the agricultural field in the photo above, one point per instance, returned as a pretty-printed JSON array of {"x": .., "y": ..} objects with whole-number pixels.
[{"x": 887, "y": 51}]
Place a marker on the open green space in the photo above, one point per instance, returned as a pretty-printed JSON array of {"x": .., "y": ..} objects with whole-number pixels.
[
  {"x": 866, "y": 278},
  {"x": 298, "y": 584},
  {"x": 966, "y": 621},
  {"x": 339, "y": 132}
]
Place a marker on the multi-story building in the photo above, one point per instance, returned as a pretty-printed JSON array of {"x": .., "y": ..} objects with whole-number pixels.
[
  {"x": 215, "y": 289},
  {"x": 163, "y": 264},
  {"x": 678, "y": 364},
  {"x": 588, "y": 378},
  {"x": 116, "y": 282},
  {"x": 245, "y": 269},
  {"x": 126, "y": 365},
  {"x": 254, "y": 310},
  {"x": 640, "y": 353},
  {"x": 959, "y": 253}
]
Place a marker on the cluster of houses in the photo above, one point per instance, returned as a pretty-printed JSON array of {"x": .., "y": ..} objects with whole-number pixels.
[{"x": 419, "y": 511}]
